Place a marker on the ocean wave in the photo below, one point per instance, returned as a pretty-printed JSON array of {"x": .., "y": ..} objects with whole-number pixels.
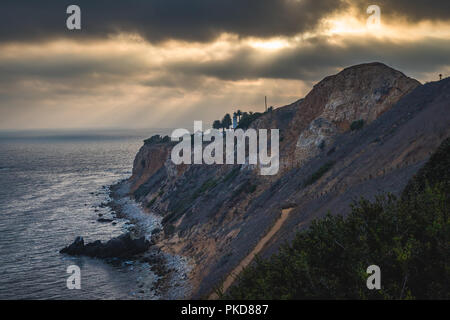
[
  {"x": 178, "y": 283},
  {"x": 134, "y": 212}
]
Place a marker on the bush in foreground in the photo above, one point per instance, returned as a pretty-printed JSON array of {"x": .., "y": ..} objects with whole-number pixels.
[{"x": 407, "y": 237}]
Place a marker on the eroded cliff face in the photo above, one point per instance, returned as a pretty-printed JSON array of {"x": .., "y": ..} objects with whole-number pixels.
[
  {"x": 149, "y": 159},
  {"x": 216, "y": 214},
  {"x": 361, "y": 92}
]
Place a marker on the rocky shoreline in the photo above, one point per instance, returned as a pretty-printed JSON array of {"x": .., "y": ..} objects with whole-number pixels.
[
  {"x": 138, "y": 243},
  {"x": 172, "y": 270}
]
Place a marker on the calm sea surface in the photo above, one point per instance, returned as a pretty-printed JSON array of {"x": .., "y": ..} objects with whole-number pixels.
[{"x": 50, "y": 188}]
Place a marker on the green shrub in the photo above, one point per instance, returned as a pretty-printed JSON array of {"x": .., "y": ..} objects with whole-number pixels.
[
  {"x": 246, "y": 187},
  {"x": 322, "y": 145},
  {"x": 232, "y": 174},
  {"x": 151, "y": 202},
  {"x": 356, "y": 125},
  {"x": 169, "y": 229},
  {"x": 435, "y": 171},
  {"x": 251, "y": 188},
  {"x": 247, "y": 119},
  {"x": 408, "y": 240},
  {"x": 180, "y": 207},
  {"x": 208, "y": 184},
  {"x": 319, "y": 173},
  {"x": 157, "y": 139},
  {"x": 407, "y": 237}
]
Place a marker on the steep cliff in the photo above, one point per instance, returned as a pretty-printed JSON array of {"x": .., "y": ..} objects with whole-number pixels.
[
  {"x": 365, "y": 130},
  {"x": 359, "y": 93}
]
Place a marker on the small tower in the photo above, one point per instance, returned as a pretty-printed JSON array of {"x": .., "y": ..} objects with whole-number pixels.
[{"x": 440, "y": 76}]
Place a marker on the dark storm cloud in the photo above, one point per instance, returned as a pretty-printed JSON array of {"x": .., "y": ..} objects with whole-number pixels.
[
  {"x": 319, "y": 57},
  {"x": 66, "y": 67},
  {"x": 192, "y": 20},
  {"x": 159, "y": 20},
  {"x": 412, "y": 10},
  {"x": 65, "y": 72},
  {"x": 308, "y": 61}
]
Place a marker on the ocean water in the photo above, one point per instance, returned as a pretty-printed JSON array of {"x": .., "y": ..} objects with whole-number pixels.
[{"x": 51, "y": 187}]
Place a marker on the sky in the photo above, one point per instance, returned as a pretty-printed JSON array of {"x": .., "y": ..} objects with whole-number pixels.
[{"x": 165, "y": 63}]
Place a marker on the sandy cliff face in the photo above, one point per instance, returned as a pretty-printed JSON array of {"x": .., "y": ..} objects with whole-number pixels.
[
  {"x": 362, "y": 92},
  {"x": 149, "y": 159},
  {"x": 216, "y": 214}
]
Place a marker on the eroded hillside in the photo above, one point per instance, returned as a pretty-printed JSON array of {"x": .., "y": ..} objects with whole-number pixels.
[{"x": 365, "y": 130}]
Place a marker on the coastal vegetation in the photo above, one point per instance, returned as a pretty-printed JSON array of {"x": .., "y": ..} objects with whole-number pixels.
[
  {"x": 356, "y": 125},
  {"x": 157, "y": 139},
  {"x": 244, "y": 119},
  {"x": 408, "y": 237},
  {"x": 319, "y": 173}
]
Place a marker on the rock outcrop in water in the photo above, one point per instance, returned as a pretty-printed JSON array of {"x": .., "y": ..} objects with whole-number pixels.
[
  {"x": 123, "y": 246},
  {"x": 216, "y": 214}
]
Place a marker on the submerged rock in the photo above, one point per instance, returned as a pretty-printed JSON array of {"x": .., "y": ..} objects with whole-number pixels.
[{"x": 120, "y": 247}]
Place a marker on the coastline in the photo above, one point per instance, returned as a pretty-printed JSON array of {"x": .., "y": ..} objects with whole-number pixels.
[{"x": 172, "y": 271}]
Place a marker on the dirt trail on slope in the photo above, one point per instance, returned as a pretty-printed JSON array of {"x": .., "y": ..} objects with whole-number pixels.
[{"x": 259, "y": 246}]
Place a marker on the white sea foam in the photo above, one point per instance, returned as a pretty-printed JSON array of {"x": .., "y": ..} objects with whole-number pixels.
[
  {"x": 178, "y": 283},
  {"x": 134, "y": 212}
]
